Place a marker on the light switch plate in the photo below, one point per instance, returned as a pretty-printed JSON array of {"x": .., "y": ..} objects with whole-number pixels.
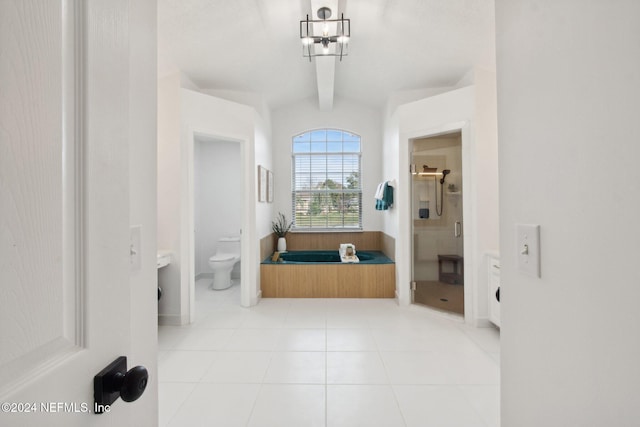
[
  {"x": 528, "y": 246},
  {"x": 134, "y": 248}
]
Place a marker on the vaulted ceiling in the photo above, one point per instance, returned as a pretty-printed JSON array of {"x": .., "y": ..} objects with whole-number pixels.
[{"x": 254, "y": 46}]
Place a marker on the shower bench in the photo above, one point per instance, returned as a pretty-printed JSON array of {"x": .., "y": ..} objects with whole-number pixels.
[{"x": 456, "y": 277}]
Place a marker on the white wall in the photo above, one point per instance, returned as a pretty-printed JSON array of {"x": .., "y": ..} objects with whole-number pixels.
[
  {"x": 485, "y": 202},
  {"x": 568, "y": 104},
  {"x": 142, "y": 201},
  {"x": 262, "y": 146},
  {"x": 218, "y": 196},
  {"x": 263, "y": 156},
  {"x": 454, "y": 110},
  {"x": 168, "y": 195},
  {"x": 182, "y": 114},
  {"x": 204, "y": 114},
  {"x": 305, "y": 115},
  {"x": 392, "y": 167}
]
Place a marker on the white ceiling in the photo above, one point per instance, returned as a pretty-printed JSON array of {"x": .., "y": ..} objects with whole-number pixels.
[{"x": 254, "y": 46}]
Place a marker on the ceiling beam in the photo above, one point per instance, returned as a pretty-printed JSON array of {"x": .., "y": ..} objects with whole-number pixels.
[
  {"x": 325, "y": 78},
  {"x": 325, "y": 66}
]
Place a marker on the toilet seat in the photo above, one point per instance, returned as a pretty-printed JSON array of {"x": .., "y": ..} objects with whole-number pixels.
[
  {"x": 224, "y": 261},
  {"x": 222, "y": 257}
]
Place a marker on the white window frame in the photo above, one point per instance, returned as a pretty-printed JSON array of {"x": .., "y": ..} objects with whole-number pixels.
[{"x": 357, "y": 192}]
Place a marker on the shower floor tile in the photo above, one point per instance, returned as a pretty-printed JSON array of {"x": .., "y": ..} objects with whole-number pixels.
[{"x": 440, "y": 295}]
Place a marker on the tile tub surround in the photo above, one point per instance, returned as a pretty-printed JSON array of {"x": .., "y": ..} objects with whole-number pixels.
[
  {"x": 364, "y": 361},
  {"x": 326, "y": 257},
  {"x": 328, "y": 280},
  {"x": 364, "y": 286},
  {"x": 300, "y": 241},
  {"x": 365, "y": 240}
]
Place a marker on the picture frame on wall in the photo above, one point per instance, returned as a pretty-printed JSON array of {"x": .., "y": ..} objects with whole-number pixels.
[
  {"x": 269, "y": 186},
  {"x": 262, "y": 184}
]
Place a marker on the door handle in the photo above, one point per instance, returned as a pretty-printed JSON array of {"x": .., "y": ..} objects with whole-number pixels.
[
  {"x": 457, "y": 229},
  {"x": 498, "y": 294},
  {"x": 115, "y": 381}
]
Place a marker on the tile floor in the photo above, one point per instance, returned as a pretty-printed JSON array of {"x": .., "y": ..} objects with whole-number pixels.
[{"x": 325, "y": 362}]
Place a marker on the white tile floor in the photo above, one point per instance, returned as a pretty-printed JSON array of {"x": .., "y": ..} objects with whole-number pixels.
[{"x": 325, "y": 362}]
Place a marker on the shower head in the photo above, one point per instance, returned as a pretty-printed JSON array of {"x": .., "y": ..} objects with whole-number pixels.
[{"x": 445, "y": 172}]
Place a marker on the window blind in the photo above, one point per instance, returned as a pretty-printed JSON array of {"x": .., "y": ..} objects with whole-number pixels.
[{"x": 326, "y": 181}]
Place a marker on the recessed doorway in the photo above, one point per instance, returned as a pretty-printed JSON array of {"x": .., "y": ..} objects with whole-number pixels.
[{"x": 437, "y": 222}]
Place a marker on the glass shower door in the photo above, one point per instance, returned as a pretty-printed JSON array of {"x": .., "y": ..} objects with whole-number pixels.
[{"x": 438, "y": 243}]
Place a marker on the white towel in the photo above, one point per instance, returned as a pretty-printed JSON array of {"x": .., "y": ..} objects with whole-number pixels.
[
  {"x": 343, "y": 253},
  {"x": 343, "y": 249},
  {"x": 379, "y": 191},
  {"x": 349, "y": 259}
]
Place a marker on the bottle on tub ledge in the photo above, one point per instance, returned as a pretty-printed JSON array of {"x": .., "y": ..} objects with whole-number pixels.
[{"x": 348, "y": 252}]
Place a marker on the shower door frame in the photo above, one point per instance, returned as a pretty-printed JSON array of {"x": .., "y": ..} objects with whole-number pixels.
[
  {"x": 442, "y": 202},
  {"x": 469, "y": 226}
]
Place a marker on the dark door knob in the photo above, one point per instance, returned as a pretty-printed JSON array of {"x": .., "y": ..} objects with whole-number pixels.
[
  {"x": 498, "y": 294},
  {"x": 132, "y": 384},
  {"x": 115, "y": 381}
]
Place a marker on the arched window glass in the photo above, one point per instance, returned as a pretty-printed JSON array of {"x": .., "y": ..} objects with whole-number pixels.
[{"x": 326, "y": 184}]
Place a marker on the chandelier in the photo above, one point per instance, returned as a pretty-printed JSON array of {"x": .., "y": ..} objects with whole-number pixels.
[{"x": 324, "y": 36}]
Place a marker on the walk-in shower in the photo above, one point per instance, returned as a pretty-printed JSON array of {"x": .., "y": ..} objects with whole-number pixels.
[{"x": 438, "y": 263}]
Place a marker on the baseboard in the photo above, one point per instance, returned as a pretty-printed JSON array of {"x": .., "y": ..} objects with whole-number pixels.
[
  {"x": 484, "y": 322},
  {"x": 256, "y": 299},
  {"x": 169, "y": 320},
  {"x": 210, "y": 276}
]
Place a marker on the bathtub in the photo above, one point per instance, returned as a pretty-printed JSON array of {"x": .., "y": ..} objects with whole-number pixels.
[{"x": 320, "y": 274}]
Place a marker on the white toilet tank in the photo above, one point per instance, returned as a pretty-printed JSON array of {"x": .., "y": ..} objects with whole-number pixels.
[{"x": 229, "y": 245}]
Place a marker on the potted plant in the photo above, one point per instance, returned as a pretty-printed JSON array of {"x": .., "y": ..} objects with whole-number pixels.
[{"x": 280, "y": 228}]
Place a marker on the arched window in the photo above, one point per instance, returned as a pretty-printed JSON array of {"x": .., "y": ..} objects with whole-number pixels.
[{"x": 326, "y": 184}]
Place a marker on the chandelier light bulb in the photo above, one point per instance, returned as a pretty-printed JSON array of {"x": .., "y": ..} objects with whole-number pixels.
[{"x": 325, "y": 32}]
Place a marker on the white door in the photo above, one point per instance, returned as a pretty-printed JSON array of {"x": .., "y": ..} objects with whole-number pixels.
[{"x": 65, "y": 274}]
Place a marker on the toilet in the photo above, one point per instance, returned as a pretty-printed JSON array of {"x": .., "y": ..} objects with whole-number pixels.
[{"x": 227, "y": 255}]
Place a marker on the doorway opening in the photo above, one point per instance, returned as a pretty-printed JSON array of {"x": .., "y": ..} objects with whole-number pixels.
[
  {"x": 437, "y": 265},
  {"x": 216, "y": 203},
  {"x": 217, "y": 217}
]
